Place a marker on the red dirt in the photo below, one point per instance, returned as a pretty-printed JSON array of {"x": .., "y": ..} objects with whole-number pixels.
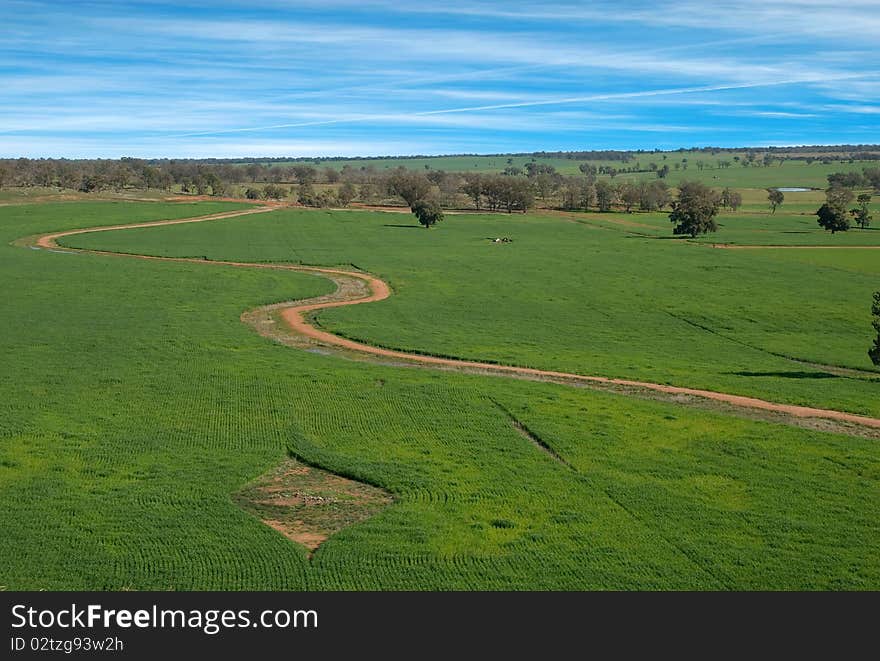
[
  {"x": 311, "y": 540},
  {"x": 48, "y": 240},
  {"x": 379, "y": 290},
  {"x": 293, "y": 316}
]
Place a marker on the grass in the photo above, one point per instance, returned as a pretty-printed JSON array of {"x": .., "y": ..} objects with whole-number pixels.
[
  {"x": 749, "y": 228},
  {"x": 135, "y": 405},
  {"x": 590, "y": 298}
]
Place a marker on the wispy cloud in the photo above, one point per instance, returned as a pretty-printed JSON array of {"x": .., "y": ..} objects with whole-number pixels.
[
  {"x": 528, "y": 104},
  {"x": 346, "y": 76}
]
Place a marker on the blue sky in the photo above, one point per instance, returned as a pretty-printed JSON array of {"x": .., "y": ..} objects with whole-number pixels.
[{"x": 339, "y": 77}]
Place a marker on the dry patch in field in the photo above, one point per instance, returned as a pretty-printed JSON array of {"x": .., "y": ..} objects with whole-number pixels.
[{"x": 307, "y": 504}]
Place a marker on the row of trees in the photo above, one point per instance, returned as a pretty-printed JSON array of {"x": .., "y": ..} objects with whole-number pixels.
[
  {"x": 589, "y": 193},
  {"x": 867, "y": 178},
  {"x": 500, "y": 192},
  {"x": 203, "y": 176},
  {"x": 514, "y": 190}
]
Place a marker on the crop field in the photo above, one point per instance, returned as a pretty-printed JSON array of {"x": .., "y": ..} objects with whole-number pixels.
[
  {"x": 577, "y": 292},
  {"x": 138, "y": 411}
]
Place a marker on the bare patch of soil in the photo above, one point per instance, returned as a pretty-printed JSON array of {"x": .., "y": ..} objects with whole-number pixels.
[{"x": 308, "y": 504}]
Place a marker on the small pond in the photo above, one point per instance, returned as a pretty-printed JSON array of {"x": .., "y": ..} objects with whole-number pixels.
[{"x": 794, "y": 190}]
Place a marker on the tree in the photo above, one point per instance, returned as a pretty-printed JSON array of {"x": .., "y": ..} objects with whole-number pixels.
[
  {"x": 571, "y": 193},
  {"x": 534, "y": 169},
  {"x": 874, "y": 352},
  {"x": 775, "y": 197},
  {"x": 275, "y": 192},
  {"x": 68, "y": 177},
  {"x": 435, "y": 176},
  {"x": 589, "y": 170},
  {"x": 326, "y": 198},
  {"x": 493, "y": 190},
  {"x": 347, "y": 192},
  {"x": 305, "y": 195},
  {"x": 872, "y": 177},
  {"x": 428, "y": 212},
  {"x": 473, "y": 188},
  {"x": 588, "y": 194},
  {"x": 694, "y": 210},
  {"x": 253, "y": 194},
  {"x": 121, "y": 176},
  {"x": 201, "y": 185},
  {"x": 839, "y": 196},
  {"x": 605, "y": 195},
  {"x": 304, "y": 174},
  {"x": 368, "y": 192},
  {"x": 517, "y": 194},
  {"x": 547, "y": 183},
  {"x": 736, "y": 200},
  {"x": 218, "y": 187},
  {"x": 832, "y": 215},
  {"x": 90, "y": 183},
  {"x": 845, "y": 179},
  {"x": 860, "y": 213},
  {"x": 411, "y": 186},
  {"x": 832, "y": 218},
  {"x": 653, "y": 195},
  {"x": 448, "y": 188},
  {"x": 629, "y": 195},
  {"x": 254, "y": 170}
]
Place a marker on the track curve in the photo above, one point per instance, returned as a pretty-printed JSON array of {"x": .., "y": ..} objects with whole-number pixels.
[{"x": 295, "y": 316}]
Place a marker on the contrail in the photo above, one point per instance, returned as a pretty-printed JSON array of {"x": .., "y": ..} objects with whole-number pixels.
[{"x": 529, "y": 104}]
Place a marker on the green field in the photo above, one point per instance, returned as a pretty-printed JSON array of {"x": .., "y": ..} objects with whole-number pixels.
[
  {"x": 135, "y": 404},
  {"x": 794, "y": 224},
  {"x": 589, "y": 297},
  {"x": 791, "y": 173}
]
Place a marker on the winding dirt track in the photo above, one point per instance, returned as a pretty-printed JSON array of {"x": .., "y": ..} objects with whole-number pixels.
[{"x": 295, "y": 315}]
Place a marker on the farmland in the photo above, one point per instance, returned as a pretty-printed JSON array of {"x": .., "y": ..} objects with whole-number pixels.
[
  {"x": 796, "y": 173},
  {"x": 137, "y": 408},
  {"x": 457, "y": 294}
]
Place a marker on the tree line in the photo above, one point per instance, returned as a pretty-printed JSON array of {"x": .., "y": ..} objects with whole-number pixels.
[{"x": 514, "y": 190}]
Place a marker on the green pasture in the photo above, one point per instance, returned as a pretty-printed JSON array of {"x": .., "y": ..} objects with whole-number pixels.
[
  {"x": 133, "y": 403},
  {"x": 793, "y": 174},
  {"x": 750, "y": 227},
  {"x": 575, "y": 292}
]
